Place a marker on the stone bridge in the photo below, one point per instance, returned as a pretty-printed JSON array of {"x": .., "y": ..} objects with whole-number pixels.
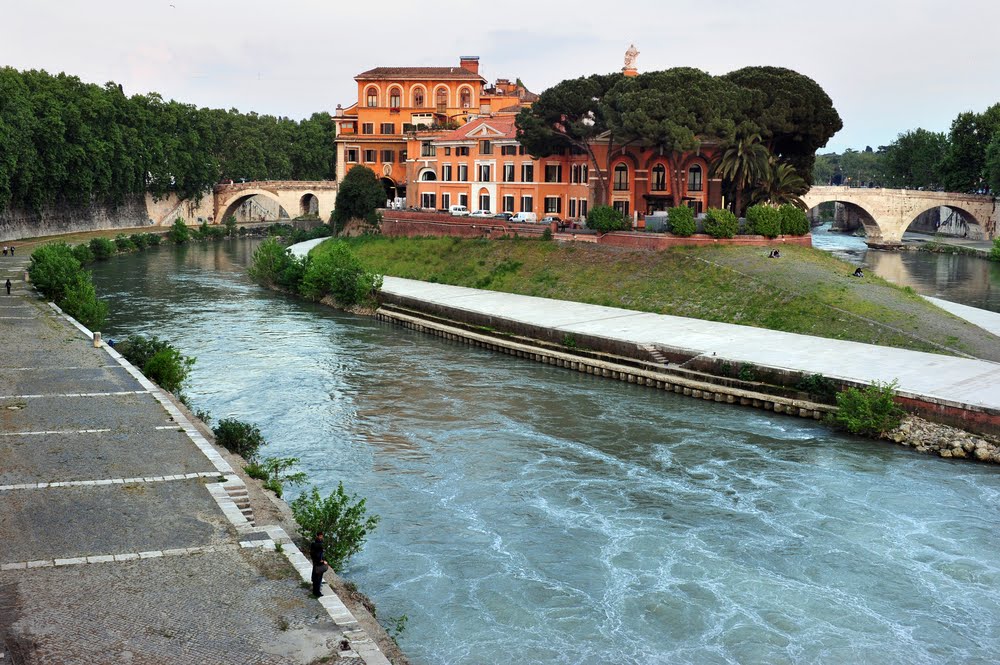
[
  {"x": 886, "y": 213},
  {"x": 296, "y": 198}
]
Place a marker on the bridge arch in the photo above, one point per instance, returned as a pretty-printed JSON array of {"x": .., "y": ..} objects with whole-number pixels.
[
  {"x": 233, "y": 203},
  {"x": 975, "y": 227},
  {"x": 857, "y": 215},
  {"x": 308, "y": 205}
]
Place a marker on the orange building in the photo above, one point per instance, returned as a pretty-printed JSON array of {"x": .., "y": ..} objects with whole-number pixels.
[{"x": 438, "y": 136}]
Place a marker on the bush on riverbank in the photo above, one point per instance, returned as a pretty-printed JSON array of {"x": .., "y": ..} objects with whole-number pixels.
[
  {"x": 179, "y": 232},
  {"x": 720, "y": 223},
  {"x": 57, "y": 274},
  {"x": 995, "y": 252},
  {"x": 793, "y": 220},
  {"x": 158, "y": 360},
  {"x": 343, "y": 520},
  {"x": 239, "y": 437},
  {"x": 273, "y": 265},
  {"x": 605, "y": 219},
  {"x": 274, "y": 473},
  {"x": 337, "y": 272},
  {"x": 102, "y": 248},
  {"x": 869, "y": 411}
]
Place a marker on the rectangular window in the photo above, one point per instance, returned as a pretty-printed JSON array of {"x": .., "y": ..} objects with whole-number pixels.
[
  {"x": 462, "y": 151},
  {"x": 447, "y": 152},
  {"x": 388, "y": 128},
  {"x": 485, "y": 148},
  {"x": 371, "y": 155},
  {"x": 484, "y": 173},
  {"x": 621, "y": 178},
  {"x": 526, "y": 204},
  {"x": 553, "y": 173},
  {"x": 508, "y": 150},
  {"x": 427, "y": 200},
  {"x": 659, "y": 180},
  {"x": 446, "y": 172},
  {"x": 393, "y": 101},
  {"x": 583, "y": 208},
  {"x": 572, "y": 208},
  {"x": 520, "y": 149},
  {"x": 527, "y": 175},
  {"x": 427, "y": 149},
  {"x": 351, "y": 154},
  {"x": 622, "y": 207},
  {"x": 553, "y": 204},
  {"x": 368, "y": 128},
  {"x": 508, "y": 203},
  {"x": 445, "y": 201},
  {"x": 584, "y": 173},
  {"x": 508, "y": 173},
  {"x": 463, "y": 200},
  {"x": 387, "y": 156},
  {"x": 402, "y": 156},
  {"x": 696, "y": 206},
  {"x": 694, "y": 179},
  {"x": 484, "y": 201},
  {"x": 463, "y": 173}
]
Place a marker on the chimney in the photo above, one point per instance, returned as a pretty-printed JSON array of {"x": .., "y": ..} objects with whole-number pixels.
[{"x": 470, "y": 63}]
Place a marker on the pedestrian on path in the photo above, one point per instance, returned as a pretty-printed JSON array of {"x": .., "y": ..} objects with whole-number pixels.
[
  {"x": 8, "y": 287},
  {"x": 5, "y": 250},
  {"x": 12, "y": 250},
  {"x": 320, "y": 565}
]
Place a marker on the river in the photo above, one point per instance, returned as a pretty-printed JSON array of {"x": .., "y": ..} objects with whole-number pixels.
[{"x": 534, "y": 515}]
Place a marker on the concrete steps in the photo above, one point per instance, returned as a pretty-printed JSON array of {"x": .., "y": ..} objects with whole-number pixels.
[{"x": 241, "y": 498}]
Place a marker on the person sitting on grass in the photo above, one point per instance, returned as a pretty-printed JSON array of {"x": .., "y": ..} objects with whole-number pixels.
[{"x": 858, "y": 272}]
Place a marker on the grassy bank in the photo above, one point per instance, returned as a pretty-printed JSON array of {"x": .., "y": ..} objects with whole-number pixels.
[{"x": 806, "y": 291}]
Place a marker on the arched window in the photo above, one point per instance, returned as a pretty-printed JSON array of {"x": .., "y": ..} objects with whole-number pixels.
[
  {"x": 694, "y": 179},
  {"x": 659, "y": 183},
  {"x": 621, "y": 177},
  {"x": 395, "y": 98},
  {"x": 371, "y": 97},
  {"x": 441, "y": 99},
  {"x": 428, "y": 175},
  {"x": 418, "y": 98},
  {"x": 466, "y": 98}
]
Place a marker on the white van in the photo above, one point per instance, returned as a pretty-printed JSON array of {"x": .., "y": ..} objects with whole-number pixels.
[
  {"x": 525, "y": 218},
  {"x": 458, "y": 211}
]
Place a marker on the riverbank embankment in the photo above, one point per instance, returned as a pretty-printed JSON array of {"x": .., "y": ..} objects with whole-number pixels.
[{"x": 125, "y": 534}]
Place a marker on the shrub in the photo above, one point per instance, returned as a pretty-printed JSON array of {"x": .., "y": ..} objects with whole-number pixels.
[
  {"x": 340, "y": 517},
  {"x": 273, "y": 471},
  {"x": 140, "y": 240},
  {"x": 179, "y": 232},
  {"x": 721, "y": 223},
  {"x": 229, "y": 223},
  {"x": 158, "y": 360},
  {"x": 547, "y": 234},
  {"x": 83, "y": 254},
  {"x": 869, "y": 411},
  {"x": 52, "y": 269},
  {"x": 81, "y": 302},
  {"x": 102, "y": 248},
  {"x": 763, "y": 220},
  {"x": 995, "y": 252},
  {"x": 681, "y": 221},
  {"x": 239, "y": 437},
  {"x": 336, "y": 271},
  {"x": 124, "y": 244},
  {"x": 818, "y": 386},
  {"x": 605, "y": 219},
  {"x": 274, "y": 265},
  {"x": 793, "y": 220},
  {"x": 153, "y": 239}
]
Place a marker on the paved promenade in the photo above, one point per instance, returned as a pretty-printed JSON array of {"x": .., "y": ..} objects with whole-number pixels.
[
  {"x": 949, "y": 380},
  {"x": 122, "y": 538}
]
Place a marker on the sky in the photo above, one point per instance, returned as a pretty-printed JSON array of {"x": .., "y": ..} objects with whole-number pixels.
[{"x": 888, "y": 65}]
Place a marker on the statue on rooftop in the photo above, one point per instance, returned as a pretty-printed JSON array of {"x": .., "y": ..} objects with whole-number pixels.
[{"x": 630, "y": 55}]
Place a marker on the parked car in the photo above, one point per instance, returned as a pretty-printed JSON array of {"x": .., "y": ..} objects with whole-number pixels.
[
  {"x": 458, "y": 211},
  {"x": 482, "y": 213},
  {"x": 504, "y": 216},
  {"x": 525, "y": 218},
  {"x": 548, "y": 219}
]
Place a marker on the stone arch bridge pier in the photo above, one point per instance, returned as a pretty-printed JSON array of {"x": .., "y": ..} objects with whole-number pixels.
[{"x": 274, "y": 199}]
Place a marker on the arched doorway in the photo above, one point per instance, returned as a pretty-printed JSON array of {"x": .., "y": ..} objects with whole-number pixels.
[{"x": 309, "y": 206}]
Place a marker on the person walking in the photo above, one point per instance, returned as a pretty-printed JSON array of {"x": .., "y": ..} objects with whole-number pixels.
[
  {"x": 320, "y": 565},
  {"x": 8, "y": 287}
]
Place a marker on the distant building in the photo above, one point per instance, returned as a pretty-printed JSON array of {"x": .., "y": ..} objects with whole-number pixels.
[{"x": 438, "y": 136}]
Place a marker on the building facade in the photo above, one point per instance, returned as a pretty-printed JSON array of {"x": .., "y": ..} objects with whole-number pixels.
[{"x": 439, "y": 136}]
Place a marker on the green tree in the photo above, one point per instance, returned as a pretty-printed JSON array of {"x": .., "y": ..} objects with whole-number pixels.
[
  {"x": 743, "y": 165},
  {"x": 605, "y": 219},
  {"x": 571, "y": 115},
  {"x": 780, "y": 185},
  {"x": 962, "y": 166},
  {"x": 992, "y": 169},
  {"x": 794, "y": 115},
  {"x": 914, "y": 159},
  {"x": 343, "y": 520},
  {"x": 179, "y": 232},
  {"x": 359, "y": 196}
]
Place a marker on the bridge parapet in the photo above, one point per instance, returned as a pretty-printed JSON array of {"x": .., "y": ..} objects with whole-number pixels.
[{"x": 275, "y": 185}]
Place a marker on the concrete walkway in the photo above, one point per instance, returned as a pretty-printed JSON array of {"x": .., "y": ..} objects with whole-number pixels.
[
  {"x": 985, "y": 319},
  {"x": 949, "y": 380},
  {"x": 121, "y": 539}
]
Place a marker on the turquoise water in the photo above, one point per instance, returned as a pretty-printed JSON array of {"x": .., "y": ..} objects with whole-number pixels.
[{"x": 535, "y": 515}]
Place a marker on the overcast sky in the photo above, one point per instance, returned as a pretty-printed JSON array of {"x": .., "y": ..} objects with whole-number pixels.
[{"x": 888, "y": 65}]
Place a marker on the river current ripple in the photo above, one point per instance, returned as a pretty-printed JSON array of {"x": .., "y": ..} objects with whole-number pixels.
[{"x": 534, "y": 515}]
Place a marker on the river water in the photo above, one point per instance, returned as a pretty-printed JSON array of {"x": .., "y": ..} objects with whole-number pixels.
[{"x": 535, "y": 515}]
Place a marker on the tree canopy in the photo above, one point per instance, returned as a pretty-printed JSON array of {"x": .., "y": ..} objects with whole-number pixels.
[
  {"x": 62, "y": 140},
  {"x": 359, "y": 194}
]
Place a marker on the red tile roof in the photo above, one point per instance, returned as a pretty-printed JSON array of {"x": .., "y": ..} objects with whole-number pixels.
[
  {"x": 500, "y": 123},
  {"x": 420, "y": 73}
]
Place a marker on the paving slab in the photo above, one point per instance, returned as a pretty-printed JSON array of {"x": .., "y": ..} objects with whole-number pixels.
[
  {"x": 157, "y": 611},
  {"x": 985, "y": 319},
  {"x": 120, "y": 413},
  {"x": 73, "y": 456},
  {"x": 64, "y": 522},
  {"x": 58, "y": 380},
  {"x": 950, "y": 380}
]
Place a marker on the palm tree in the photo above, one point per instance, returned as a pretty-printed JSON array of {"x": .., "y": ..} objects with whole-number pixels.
[
  {"x": 781, "y": 184},
  {"x": 743, "y": 163}
]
